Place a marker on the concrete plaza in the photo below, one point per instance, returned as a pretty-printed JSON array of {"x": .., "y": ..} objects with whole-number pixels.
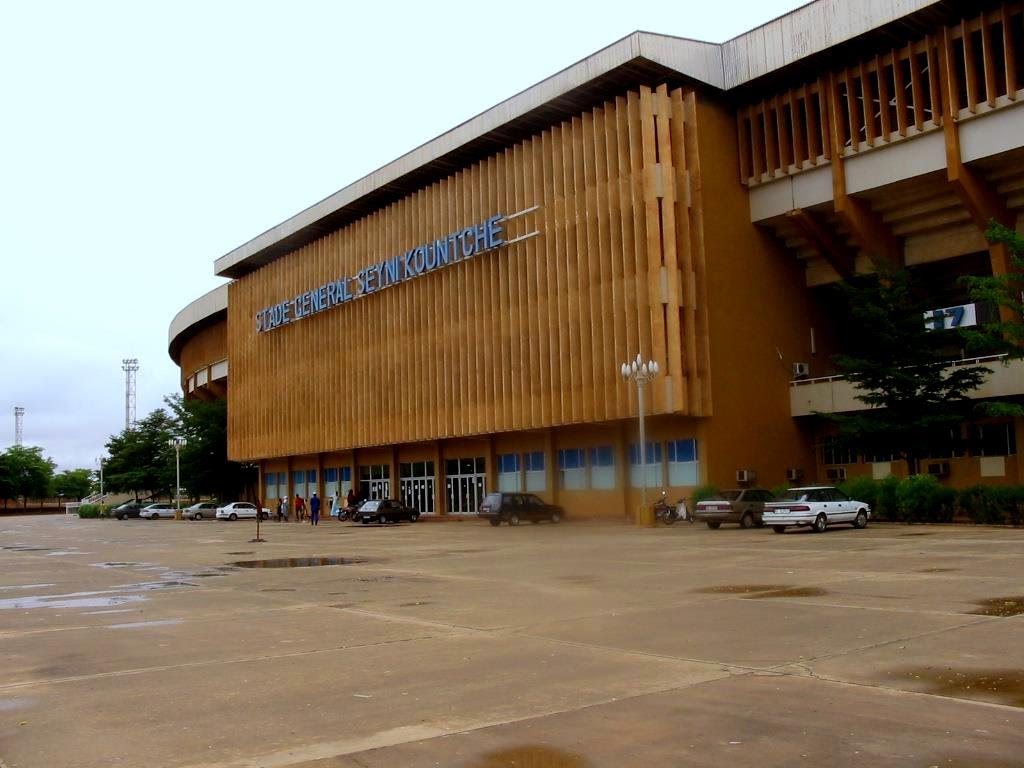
[{"x": 141, "y": 643}]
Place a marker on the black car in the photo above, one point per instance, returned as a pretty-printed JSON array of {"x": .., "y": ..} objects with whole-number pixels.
[
  {"x": 128, "y": 509},
  {"x": 385, "y": 511},
  {"x": 514, "y": 507}
]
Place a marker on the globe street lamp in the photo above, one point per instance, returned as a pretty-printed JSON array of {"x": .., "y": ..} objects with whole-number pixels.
[
  {"x": 177, "y": 443},
  {"x": 641, "y": 372}
]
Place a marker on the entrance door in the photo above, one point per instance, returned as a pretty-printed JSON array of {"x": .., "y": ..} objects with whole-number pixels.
[
  {"x": 416, "y": 485},
  {"x": 466, "y": 485},
  {"x": 375, "y": 481}
]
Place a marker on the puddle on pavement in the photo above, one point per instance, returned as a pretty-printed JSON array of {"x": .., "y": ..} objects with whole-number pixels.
[
  {"x": 1000, "y": 606},
  {"x": 115, "y": 565},
  {"x": 413, "y": 605},
  {"x": 790, "y": 592},
  {"x": 143, "y": 624},
  {"x": 57, "y": 601},
  {"x": 25, "y": 548},
  {"x": 341, "y": 605},
  {"x": 999, "y": 686},
  {"x": 278, "y": 589},
  {"x": 7, "y": 705},
  {"x": 938, "y": 570},
  {"x": 103, "y": 598},
  {"x": 741, "y": 589},
  {"x": 530, "y": 757},
  {"x": 917, "y": 534},
  {"x": 26, "y": 586},
  {"x": 297, "y": 562},
  {"x": 239, "y": 553}
]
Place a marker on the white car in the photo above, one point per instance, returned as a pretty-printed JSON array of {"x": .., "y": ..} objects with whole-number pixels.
[
  {"x": 156, "y": 511},
  {"x": 237, "y": 509},
  {"x": 818, "y": 506},
  {"x": 199, "y": 511}
]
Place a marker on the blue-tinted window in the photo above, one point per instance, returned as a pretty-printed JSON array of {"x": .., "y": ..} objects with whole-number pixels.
[
  {"x": 346, "y": 474},
  {"x": 311, "y": 476},
  {"x": 602, "y": 456},
  {"x": 508, "y": 462},
  {"x": 299, "y": 477},
  {"x": 571, "y": 458},
  {"x": 535, "y": 461},
  {"x": 682, "y": 450},
  {"x": 653, "y": 453},
  {"x": 330, "y": 475}
]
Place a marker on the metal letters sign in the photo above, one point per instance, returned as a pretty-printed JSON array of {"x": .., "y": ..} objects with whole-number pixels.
[{"x": 461, "y": 245}]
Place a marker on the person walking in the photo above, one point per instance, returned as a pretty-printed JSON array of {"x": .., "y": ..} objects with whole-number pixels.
[
  {"x": 284, "y": 506},
  {"x": 314, "y": 509},
  {"x": 335, "y": 509},
  {"x": 299, "y": 506}
]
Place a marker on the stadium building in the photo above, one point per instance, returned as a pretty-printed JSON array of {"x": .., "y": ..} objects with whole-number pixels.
[{"x": 469, "y": 305}]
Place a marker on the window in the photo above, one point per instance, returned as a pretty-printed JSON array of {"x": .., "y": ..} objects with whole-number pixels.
[
  {"x": 509, "y": 477},
  {"x": 572, "y": 469},
  {"x": 346, "y": 482},
  {"x": 536, "y": 477},
  {"x": 683, "y": 468},
  {"x": 995, "y": 440},
  {"x": 649, "y": 474},
  {"x": 270, "y": 480},
  {"x": 299, "y": 482},
  {"x": 602, "y": 467},
  {"x": 835, "y": 451},
  {"x": 330, "y": 482},
  {"x": 311, "y": 477}
]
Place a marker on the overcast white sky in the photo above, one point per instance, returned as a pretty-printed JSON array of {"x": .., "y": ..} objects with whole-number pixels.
[{"x": 143, "y": 140}]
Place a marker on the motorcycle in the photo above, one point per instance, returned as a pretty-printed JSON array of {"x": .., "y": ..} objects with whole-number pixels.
[
  {"x": 668, "y": 513},
  {"x": 348, "y": 512}
]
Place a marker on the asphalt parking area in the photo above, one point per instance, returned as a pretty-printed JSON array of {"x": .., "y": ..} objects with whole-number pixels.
[{"x": 144, "y": 643}]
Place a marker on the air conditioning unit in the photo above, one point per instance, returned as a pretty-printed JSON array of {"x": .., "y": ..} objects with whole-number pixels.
[
  {"x": 745, "y": 475},
  {"x": 794, "y": 474},
  {"x": 939, "y": 468},
  {"x": 836, "y": 473},
  {"x": 801, "y": 370}
]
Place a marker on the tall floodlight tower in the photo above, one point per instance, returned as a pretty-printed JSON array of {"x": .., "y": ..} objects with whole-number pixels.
[
  {"x": 19, "y": 425},
  {"x": 130, "y": 366}
]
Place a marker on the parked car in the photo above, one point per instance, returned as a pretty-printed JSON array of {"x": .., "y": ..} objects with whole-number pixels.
[
  {"x": 735, "y": 505},
  {"x": 385, "y": 511},
  {"x": 200, "y": 510},
  {"x": 157, "y": 510},
  {"x": 817, "y": 506},
  {"x": 237, "y": 509},
  {"x": 128, "y": 509},
  {"x": 515, "y": 507}
]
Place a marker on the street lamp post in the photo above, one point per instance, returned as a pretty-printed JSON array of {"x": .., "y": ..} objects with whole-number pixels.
[
  {"x": 99, "y": 460},
  {"x": 640, "y": 372},
  {"x": 177, "y": 443}
]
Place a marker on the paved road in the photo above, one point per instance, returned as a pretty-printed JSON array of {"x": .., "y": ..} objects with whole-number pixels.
[{"x": 138, "y": 643}]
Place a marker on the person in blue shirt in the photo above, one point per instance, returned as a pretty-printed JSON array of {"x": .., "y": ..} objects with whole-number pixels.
[{"x": 314, "y": 510}]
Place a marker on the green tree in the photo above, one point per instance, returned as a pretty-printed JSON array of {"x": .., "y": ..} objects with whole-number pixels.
[
  {"x": 140, "y": 460},
  {"x": 898, "y": 367},
  {"x": 1005, "y": 336},
  {"x": 25, "y": 473},
  {"x": 205, "y": 469},
  {"x": 73, "y": 483}
]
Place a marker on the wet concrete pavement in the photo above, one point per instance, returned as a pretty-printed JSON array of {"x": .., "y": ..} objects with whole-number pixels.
[{"x": 142, "y": 643}]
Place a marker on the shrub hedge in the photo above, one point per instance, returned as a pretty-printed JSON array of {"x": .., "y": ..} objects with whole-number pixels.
[
  {"x": 94, "y": 510},
  {"x": 923, "y": 499}
]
